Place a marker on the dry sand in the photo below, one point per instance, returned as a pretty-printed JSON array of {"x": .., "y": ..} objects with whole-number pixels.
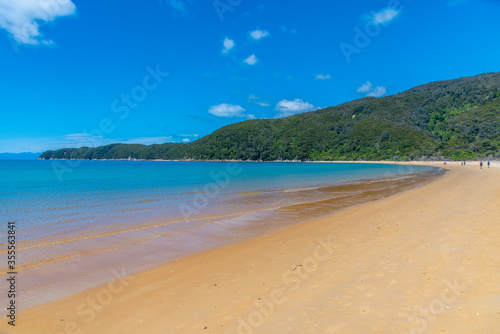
[{"x": 423, "y": 261}]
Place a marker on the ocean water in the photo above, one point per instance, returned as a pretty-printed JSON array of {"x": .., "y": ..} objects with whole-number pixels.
[{"x": 77, "y": 220}]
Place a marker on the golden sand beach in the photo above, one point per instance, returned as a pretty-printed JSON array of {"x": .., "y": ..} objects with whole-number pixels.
[{"x": 422, "y": 261}]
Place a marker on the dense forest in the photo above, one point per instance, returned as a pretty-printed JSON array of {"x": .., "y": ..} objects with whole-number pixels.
[{"x": 456, "y": 119}]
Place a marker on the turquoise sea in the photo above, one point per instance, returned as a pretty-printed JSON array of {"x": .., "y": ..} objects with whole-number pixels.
[{"x": 77, "y": 220}]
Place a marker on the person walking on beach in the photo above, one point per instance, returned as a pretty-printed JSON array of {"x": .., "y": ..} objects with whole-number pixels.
[
  {"x": 481, "y": 165},
  {"x": 488, "y": 164}
]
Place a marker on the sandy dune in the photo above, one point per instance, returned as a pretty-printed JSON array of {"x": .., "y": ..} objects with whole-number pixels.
[{"x": 423, "y": 261}]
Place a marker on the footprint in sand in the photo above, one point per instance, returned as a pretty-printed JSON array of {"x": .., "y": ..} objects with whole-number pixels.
[{"x": 364, "y": 310}]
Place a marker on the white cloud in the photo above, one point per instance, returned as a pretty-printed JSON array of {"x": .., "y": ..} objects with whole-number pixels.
[
  {"x": 365, "y": 88},
  {"x": 23, "y": 18},
  {"x": 227, "y": 110},
  {"x": 378, "y": 92},
  {"x": 385, "y": 15},
  {"x": 250, "y": 116},
  {"x": 252, "y": 60},
  {"x": 255, "y": 99},
  {"x": 323, "y": 77},
  {"x": 258, "y": 34},
  {"x": 228, "y": 45},
  {"x": 288, "y": 108},
  {"x": 187, "y": 138},
  {"x": 370, "y": 91}
]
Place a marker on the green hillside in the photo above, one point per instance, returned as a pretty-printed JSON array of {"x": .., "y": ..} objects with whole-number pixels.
[{"x": 456, "y": 119}]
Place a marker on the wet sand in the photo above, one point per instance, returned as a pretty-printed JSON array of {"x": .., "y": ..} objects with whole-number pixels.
[
  {"x": 61, "y": 265},
  {"x": 422, "y": 261}
]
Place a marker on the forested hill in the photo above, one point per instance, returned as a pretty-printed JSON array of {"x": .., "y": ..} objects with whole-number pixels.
[{"x": 456, "y": 119}]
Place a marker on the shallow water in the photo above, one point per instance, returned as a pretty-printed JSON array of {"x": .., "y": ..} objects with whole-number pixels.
[{"x": 77, "y": 222}]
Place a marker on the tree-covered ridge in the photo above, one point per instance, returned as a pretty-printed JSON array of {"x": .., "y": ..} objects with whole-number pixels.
[{"x": 456, "y": 119}]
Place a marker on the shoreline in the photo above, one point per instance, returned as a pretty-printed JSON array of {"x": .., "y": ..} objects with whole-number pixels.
[
  {"x": 188, "y": 264},
  {"x": 413, "y": 162},
  {"x": 84, "y": 260}
]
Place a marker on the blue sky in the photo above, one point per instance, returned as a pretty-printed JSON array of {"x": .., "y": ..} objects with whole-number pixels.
[{"x": 90, "y": 73}]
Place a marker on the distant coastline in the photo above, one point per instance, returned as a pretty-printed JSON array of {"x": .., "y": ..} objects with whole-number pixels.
[{"x": 435, "y": 160}]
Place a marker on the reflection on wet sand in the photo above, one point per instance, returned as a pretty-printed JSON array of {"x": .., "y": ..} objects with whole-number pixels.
[{"x": 50, "y": 264}]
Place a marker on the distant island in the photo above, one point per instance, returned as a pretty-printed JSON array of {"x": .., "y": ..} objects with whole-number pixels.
[{"x": 455, "y": 119}]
